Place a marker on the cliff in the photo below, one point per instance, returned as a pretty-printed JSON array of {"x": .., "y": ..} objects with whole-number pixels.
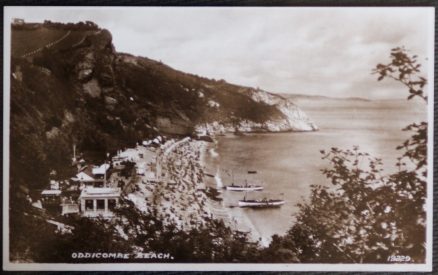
[{"x": 69, "y": 86}]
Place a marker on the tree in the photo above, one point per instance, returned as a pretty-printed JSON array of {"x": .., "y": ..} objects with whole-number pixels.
[
  {"x": 213, "y": 242},
  {"x": 87, "y": 235},
  {"x": 410, "y": 182},
  {"x": 366, "y": 216},
  {"x": 404, "y": 69}
]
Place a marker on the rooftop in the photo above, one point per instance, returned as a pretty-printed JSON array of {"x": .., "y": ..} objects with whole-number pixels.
[
  {"x": 83, "y": 176},
  {"x": 94, "y": 192},
  {"x": 100, "y": 170},
  {"x": 51, "y": 192}
]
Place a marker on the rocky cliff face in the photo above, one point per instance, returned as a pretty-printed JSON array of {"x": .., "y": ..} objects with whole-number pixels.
[
  {"x": 295, "y": 118},
  {"x": 69, "y": 86}
]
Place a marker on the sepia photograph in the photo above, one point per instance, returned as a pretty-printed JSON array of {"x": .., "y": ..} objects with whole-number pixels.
[{"x": 218, "y": 138}]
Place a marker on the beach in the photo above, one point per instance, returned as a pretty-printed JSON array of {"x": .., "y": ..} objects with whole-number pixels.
[
  {"x": 176, "y": 192},
  {"x": 185, "y": 178},
  {"x": 231, "y": 213}
]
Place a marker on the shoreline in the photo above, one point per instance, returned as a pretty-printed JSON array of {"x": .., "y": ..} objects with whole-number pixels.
[
  {"x": 238, "y": 219},
  {"x": 178, "y": 192}
]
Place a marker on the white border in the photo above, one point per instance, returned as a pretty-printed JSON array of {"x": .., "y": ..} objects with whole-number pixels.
[
  {"x": 426, "y": 267},
  {"x": 6, "y": 121},
  {"x": 430, "y": 136}
]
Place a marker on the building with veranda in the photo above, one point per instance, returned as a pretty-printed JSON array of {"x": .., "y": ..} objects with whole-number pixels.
[{"x": 96, "y": 202}]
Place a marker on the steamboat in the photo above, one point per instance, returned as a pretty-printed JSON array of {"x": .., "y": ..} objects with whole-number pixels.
[
  {"x": 245, "y": 187},
  {"x": 260, "y": 203}
]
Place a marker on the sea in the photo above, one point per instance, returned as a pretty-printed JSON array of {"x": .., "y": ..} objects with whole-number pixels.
[{"x": 287, "y": 164}]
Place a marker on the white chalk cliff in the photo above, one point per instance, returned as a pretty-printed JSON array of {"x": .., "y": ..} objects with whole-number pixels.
[{"x": 294, "y": 119}]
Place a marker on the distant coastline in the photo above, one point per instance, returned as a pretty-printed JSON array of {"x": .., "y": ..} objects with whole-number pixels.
[{"x": 321, "y": 97}]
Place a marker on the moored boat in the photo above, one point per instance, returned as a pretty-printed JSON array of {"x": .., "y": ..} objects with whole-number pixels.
[
  {"x": 245, "y": 187},
  {"x": 262, "y": 203}
]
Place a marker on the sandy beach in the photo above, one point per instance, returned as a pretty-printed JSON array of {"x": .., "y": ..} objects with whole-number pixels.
[
  {"x": 179, "y": 174},
  {"x": 173, "y": 187}
]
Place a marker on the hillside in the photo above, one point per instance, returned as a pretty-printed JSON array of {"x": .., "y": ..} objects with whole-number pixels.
[{"x": 69, "y": 86}]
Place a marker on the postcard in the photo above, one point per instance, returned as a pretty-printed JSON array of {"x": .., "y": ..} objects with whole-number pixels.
[{"x": 218, "y": 138}]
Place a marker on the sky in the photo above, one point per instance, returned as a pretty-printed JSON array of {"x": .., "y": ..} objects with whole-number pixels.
[{"x": 315, "y": 51}]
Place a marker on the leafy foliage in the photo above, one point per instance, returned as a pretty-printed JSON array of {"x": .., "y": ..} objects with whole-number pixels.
[
  {"x": 81, "y": 91},
  {"x": 404, "y": 68},
  {"x": 214, "y": 242},
  {"x": 366, "y": 216},
  {"x": 143, "y": 232}
]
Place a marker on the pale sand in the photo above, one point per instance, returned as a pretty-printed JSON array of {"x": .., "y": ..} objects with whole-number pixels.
[{"x": 178, "y": 197}]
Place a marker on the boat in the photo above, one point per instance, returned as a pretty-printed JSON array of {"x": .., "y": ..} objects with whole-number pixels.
[
  {"x": 261, "y": 203},
  {"x": 245, "y": 187}
]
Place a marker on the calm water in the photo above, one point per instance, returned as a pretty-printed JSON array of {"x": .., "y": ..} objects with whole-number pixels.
[{"x": 288, "y": 163}]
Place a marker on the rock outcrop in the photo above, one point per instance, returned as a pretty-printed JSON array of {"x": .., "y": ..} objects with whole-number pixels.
[{"x": 102, "y": 100}]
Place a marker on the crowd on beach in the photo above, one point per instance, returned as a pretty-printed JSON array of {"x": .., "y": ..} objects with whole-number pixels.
[
  {"x": 177, "y": 193},
  {"x": 181, "y": 195}
]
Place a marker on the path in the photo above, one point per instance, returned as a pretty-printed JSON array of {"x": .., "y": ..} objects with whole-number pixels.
[{"x": 49, "y": 45}]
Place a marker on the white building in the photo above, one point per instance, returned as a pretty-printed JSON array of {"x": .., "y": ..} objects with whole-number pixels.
[
  {"x": 68, "y": 206},
  {"x": 49, "y": 193},
  {"x": 54, "y": 185},
  {"x": 117, "y": 161},
  {"x": 96, "y": 202},
  {"x": 100, "y": 170},
  {"x": 87, "y": 177},
  {"x": 17, "y": 21},
  {"x": 83, "y": 177},
  {"x": 130, "y": 154},
  {"x": 50, "y": 198}
]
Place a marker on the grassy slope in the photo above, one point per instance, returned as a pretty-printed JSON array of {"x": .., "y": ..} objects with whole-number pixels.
[
  {"x": 24, "y": 41},
  {"x": 51, "y": 111},
  {"x": 145, "y": 90},
  {"x": 162, "y": 85}
]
